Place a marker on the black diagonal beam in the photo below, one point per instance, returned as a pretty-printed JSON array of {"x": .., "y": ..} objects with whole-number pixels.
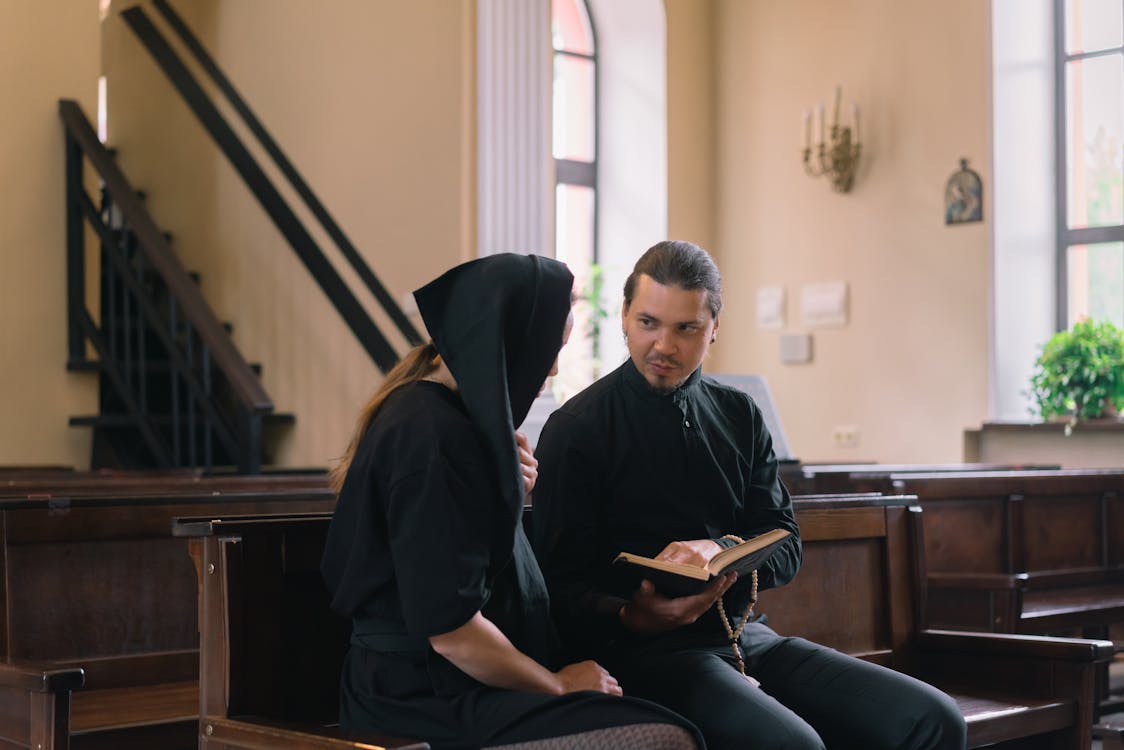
[
  {"x": 295, "y": 179},
  {"x": 259, "y": 184}
]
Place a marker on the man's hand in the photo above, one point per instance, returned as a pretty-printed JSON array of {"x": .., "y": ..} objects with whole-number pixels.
[
  {"x": 650, "y": 612},
  {"x": 694, "y": 552},
  {"x": 527, "y": 462}
]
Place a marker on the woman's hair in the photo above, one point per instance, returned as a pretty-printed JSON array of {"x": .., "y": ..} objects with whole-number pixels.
[{"x": 413, "y": 367}]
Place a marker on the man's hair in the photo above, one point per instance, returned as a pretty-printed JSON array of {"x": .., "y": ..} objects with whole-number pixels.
[{"x": 681, "y": 264}]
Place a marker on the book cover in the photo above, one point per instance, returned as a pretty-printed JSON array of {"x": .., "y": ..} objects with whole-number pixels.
[{"x": 677, "y": 579}]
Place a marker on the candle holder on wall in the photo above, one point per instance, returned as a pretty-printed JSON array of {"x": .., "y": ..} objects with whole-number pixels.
[{"x": 838, "y": 158}]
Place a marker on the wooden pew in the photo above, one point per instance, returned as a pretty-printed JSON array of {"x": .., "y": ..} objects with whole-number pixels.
[
  {"x": 268, "y": 636},
  {"x": 1025, "y": 552},
  {"x": 861, "y": 590},
  {"x": 94, "y": 582},
  {"x": 271, "y": 648}
]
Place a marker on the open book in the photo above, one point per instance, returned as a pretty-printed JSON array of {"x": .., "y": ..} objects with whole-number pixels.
[{"x": 677, "y": 579}]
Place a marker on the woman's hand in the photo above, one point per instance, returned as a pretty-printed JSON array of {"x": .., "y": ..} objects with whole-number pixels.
[
  {"x": 527, "y": 462},
  {"x": 587, "y": 675}
]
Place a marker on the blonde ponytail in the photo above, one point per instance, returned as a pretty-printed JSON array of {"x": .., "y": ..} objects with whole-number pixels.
[{"x": 418, "y": 363}]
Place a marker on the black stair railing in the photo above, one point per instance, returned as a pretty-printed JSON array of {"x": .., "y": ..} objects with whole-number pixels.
[
  {"x": 298, "y": 237},
  {"x": 155, "y": 326}
]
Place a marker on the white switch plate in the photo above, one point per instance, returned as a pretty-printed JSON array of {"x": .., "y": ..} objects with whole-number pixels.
[{"x": 796, "y": 348}]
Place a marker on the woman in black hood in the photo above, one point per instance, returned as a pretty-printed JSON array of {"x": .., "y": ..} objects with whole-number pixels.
[{"x": 451, "y": 635}]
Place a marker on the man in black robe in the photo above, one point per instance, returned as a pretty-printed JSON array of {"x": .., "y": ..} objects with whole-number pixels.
[{"x": 658, "y": 460}]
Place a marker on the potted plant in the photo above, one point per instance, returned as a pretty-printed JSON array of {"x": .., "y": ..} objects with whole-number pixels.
[{"x": 1080, "y": 373}]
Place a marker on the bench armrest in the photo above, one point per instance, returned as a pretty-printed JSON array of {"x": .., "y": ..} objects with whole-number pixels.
[
  {"x": 40, "y": 678},
  {"x": 1026, "y": 646},
  {"x": 253, "y": 733}
]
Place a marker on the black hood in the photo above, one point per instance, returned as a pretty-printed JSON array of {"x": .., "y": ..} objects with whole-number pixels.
[{"x": 497, "y": 322}]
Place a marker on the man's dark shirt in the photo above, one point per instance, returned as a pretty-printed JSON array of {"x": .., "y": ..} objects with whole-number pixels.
[{"x": 625, "y": 468}]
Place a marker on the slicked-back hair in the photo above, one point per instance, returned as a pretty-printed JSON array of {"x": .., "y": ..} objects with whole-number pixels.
[{"x": 680, "y": 264}]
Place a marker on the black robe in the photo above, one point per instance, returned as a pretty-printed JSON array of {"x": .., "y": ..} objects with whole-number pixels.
[{"x": 428, "y": 527}]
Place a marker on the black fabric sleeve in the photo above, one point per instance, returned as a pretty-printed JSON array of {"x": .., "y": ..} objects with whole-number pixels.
[
  {"x": 439, "y": 533},
  {"x": 568, "y": 511},
  {"x": 767, "y": 505}
]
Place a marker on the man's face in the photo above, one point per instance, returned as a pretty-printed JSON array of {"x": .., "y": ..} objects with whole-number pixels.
[{"x": 668, "y": 330}]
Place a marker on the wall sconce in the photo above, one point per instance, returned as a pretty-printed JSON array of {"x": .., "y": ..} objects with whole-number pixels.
[{"x": 839, "y": 158}]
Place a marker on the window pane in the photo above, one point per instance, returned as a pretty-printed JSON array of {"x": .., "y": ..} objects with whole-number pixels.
[
  {"x": 1096, "y": 282},
  {"x": 1092, "y": 25},
  {"x": 573, "y": 226},
  {"x": 1094, "y": 132},
  {"x": 573, "y": 232},
  {"x": 573, "y": 108},
  {"x": 569, "y": 27}
]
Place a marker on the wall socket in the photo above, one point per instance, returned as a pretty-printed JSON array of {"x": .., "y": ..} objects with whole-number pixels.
[{"x": 845, "y": 436}]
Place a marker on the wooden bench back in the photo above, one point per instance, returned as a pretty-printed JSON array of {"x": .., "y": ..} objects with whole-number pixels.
[
  {"x": 1021, "y": 521},
  {"x": 874, "y": 477},
  {"x": 272, "y": 648},
  {"x": 857, "y": 590}
]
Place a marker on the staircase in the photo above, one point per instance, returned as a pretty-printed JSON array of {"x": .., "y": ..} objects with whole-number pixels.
[{"x": 174, "y": 391}]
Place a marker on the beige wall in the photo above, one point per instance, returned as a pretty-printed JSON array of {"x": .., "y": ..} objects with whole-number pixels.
[
  {"x": 48, "y": 51},
  {"x": 373, "y": 102},
  {"x": 910, "y": 368},
  {"x": 691, "y": 128}
]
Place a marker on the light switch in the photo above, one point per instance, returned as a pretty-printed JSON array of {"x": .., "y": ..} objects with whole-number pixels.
[{"x": 796, "y": 348}]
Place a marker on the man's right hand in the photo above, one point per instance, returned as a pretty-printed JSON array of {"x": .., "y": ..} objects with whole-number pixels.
[
  {"x": 650, "y": 612},
  {"x": 587, "y": 675}
]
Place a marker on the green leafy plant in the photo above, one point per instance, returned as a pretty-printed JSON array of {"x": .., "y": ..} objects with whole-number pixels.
[{"x": 1080, "y": 372}]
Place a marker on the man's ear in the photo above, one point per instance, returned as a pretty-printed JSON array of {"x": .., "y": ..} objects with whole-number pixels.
[{"x": 714, "y": 331}]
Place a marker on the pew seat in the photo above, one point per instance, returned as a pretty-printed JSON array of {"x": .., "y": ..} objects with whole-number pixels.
[
  {"x": 1025, "y": 552},
  {"x": 1110, "y": 731},
  {"x": 864, "y": 563},
  {"x": 112, "y": 709}
]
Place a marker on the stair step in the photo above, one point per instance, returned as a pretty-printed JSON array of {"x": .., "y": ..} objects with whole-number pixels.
[
  {"x": 124, "y": 420},
  {"x": 150, "y": 366}
]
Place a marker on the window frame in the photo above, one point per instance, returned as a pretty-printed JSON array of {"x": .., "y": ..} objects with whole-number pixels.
[
  {"x": 573, "y": 171},
  {"x": 1066, "y": 237}
]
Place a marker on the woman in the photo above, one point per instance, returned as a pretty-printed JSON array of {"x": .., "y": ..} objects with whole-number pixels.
[{"x": 426, "y": 551}]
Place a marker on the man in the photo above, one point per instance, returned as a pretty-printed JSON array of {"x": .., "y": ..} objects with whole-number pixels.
[{"x": 658, "y": 460}]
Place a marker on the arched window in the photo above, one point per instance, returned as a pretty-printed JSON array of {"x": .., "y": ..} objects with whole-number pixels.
[
  {"x": 574, "y": 148},
  {"x": 1090, "y": 117}
]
